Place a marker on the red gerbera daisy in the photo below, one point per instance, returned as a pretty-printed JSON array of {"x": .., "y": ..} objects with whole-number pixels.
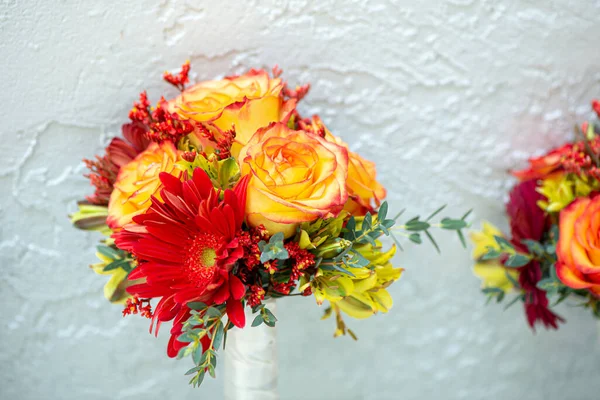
[{"x": 186, "y": 247}]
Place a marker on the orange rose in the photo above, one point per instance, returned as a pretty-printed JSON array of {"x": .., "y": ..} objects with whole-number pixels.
[
  {"x": 247, "y": 103},
  {"x": 578, "y": 247},
  {"x": 296, "y": 176},
  {"x": 364, "y": 192},
  {"x": 138, "y": 181}
]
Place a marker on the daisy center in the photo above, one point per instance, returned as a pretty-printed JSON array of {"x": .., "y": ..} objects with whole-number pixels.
[{"x": 202, "y": 258}]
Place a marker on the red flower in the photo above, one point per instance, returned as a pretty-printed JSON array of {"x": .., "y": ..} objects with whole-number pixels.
[
  {"x": 541, "y": 167},
  {"x": 596, "y": 106},
  {"x": 528, "y": 221},
  {"x": 187, "y": 247}
]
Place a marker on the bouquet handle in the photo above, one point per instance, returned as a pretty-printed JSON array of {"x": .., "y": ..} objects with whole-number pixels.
[{"x": 251, "y": 361}]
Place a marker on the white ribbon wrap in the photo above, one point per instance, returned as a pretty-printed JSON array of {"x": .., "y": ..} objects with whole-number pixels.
[{"x": 251, "y": 361}]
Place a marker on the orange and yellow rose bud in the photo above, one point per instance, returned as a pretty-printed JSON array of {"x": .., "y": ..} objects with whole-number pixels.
[
  {"x": 365, "y": 193},
  {"x": 296, "y": 177},
  {"x": 138, "y": 181},
  {"x": 578, "y": 247},
  {"x": 246, "y": 102}
]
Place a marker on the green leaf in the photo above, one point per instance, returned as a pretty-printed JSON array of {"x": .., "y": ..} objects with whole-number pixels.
[
  {"x": 433, "y": 242},
  {"x": 351, "y": 224},
  {"x": 368, "y": 239},
  {"x": 513, "y": 301},
  {"x": 397, "y": 242},
  {"x": 108, "y": 252},
  {"x": 211, "y": 371},
  {"x": 336, "y": 267},
  {"x": 492, "y": 290},
  {"x": 269, "y": 315},
  {"x": 548, "y": 285},
  {"x": 533, "y": 246},
  {"x": 218, "y": 336},
  {"x": 182, "y": 353},
  {"x": 453, "y": 224},
  {"x": 199, "y": 378},
  {"x": 116, "y": 264},
  {"x": 197, "y": 354},
  {"x": 367, "y": 222},
  {"x": 197, "y": 305},
  {"x": 517, "y": 260},
  {"x": 511, "y": 279},
  {"x": 194, "y": 370},
  {"x": 415, "y": 238},
  {"x": 212, "y": 312},
  {"x": 388, "y": 223},
  {"x": 436, "y": 212},
  {"x": 416, "y": 225},
  {"x": 257, "y": 321},
  {"x": 382, "y": 212},
  {"x": 561, "y": 298},
  {"x": 273, "y": 250},
  {"x": 258, "y": 307},
  {"x": 186, "y": 337},
  {"x": 491, "y": 254},
  {"x": 467, "y": 214},
  {"x": 461, "y": 237},
  {"x": 503, "y": 243}
]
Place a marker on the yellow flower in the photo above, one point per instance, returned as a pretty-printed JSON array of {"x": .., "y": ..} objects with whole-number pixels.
[
  {"x": 560, "y": 189},
  {"x": 364, "y": 294},
  {"x": 247, "y": 102},
  {"x": 138, "y": 181},
  {"x": 491, "y": 272},
  {"x": 295, "y": 177}
]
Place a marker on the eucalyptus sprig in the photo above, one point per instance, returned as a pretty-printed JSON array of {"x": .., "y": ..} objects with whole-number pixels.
[
  {"x": 416, "y": 226},
  {"x": 204, "y": 321},
  {"x": 264, "y": 315}
]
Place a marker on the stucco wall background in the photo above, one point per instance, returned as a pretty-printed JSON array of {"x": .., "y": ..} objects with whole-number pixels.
[{"x": 445, "y": 95}]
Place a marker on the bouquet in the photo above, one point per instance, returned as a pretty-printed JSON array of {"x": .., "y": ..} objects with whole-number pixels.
[
  {"x": 223, "y": 197},
  {"x": 553, "y": 250}
]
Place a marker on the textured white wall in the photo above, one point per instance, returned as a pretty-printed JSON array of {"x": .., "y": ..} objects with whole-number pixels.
[{"x": 445, "y": 95}]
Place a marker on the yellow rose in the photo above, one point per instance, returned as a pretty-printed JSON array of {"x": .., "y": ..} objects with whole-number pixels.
[
  {"x": 364, "y": 192},
  {"x": 246, "y": 102},
  {"x": 296, "y": 176},
  {"x": 138, "y": 181}
]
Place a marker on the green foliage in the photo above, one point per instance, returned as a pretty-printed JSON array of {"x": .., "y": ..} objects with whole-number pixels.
[
  {"x": 416, "y": 226},
  {"x": 514, "y": 259},
  {"x": 120, "y": 258},
  {"x": 204, "y": 321},
  {"x": 494, "y": 293},
  {"x": 517, "y": 261},
  {"x": 274, "y": 250},
  {"x": 264, "y": 316},
  {"x": 223, "y": 173}
]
